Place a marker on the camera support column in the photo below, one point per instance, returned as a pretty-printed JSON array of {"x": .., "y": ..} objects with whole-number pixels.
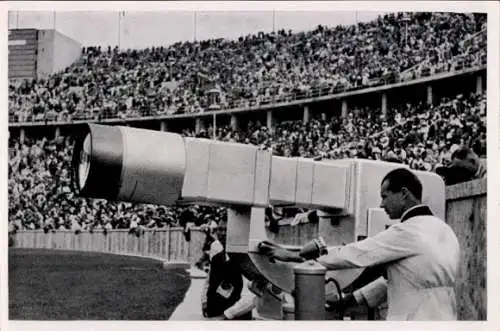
[{"x": 309, "y": 293}]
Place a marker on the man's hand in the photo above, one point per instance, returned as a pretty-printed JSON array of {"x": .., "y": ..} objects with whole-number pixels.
[
  {"x": 275, "y": 252},
  {"x": 348, "y": 301}
]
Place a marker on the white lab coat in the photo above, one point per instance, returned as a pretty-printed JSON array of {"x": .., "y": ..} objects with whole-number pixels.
[{"x": 421, "y": 256}]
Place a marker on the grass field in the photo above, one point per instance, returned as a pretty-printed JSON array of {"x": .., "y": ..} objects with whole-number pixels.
[{"x": 65, "y": 285}]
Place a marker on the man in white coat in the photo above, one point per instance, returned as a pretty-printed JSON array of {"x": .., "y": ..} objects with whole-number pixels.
[{"x": 418, "y": 258}]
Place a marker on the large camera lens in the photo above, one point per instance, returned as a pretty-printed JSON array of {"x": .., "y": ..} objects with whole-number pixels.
[
  {"x": 97, "y": 162},
  {"x": 128, "y": 164}
]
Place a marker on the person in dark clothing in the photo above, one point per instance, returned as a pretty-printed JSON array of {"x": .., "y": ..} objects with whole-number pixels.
[
  {"x": 224, "y": 284},
  {"x": 465, "y": 166},
  {"x": 204, "y": 261},
  {"x": 186, "y": 218}
]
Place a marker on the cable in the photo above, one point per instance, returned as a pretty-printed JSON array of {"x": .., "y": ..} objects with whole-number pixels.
[{"x": 339, "y": 291}]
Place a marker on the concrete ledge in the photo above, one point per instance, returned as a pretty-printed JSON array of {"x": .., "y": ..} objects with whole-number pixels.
[
  {"x": 190, "y": 307},
  {"x": 466, "y": 190},
  {"x": 196, "y": 273}
]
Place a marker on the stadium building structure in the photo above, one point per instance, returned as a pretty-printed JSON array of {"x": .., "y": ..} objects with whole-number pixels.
[{"x": 35, "y": 54}]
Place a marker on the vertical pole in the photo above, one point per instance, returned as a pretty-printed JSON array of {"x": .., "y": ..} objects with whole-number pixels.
[
  {"x": 195, "y": 18},
  {"x": 479, "y": 84},
  {"x": 430, "y": 95},
  {"x": 274, "y": 20},
  {"x": 384, "y": 103},
  {"x": 215, "y": 126},
  {"x": 269, "y": 119},
  {"x": 344, "y": 108},
  {"x": 170, "y": 244},
  {"x": 119, "y": 28},
  {"x": 234, "y": 122},
  {"x": 406, "y": 33},
  {"x": 54, "y": 19},
  {"x": 305, "y": 117}
]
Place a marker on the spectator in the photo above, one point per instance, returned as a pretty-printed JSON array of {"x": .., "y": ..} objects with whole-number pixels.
[{"x": 465, "y": 166}]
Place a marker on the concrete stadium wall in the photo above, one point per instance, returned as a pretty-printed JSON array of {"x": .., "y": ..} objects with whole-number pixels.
[
  {"x": 465, "y": 213},
  {"x": 66, "y": 51},
  {"x": 55, "y": 52},
  {"x": 45, "y": 53}
]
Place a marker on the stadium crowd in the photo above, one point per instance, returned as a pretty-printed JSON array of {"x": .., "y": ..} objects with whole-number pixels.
[
  {"x": 253, "y": 70},
  {"x": 422, "y": 136}
]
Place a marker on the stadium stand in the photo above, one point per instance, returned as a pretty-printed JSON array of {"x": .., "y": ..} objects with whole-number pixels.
[
  {"x": 253, "y": 70},
  {"x": 39, "y": 170}
]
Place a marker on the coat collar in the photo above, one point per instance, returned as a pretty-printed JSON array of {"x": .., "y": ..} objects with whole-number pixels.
[{"x": 418, "y": 210}]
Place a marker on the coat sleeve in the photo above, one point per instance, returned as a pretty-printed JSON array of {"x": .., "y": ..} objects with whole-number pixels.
[
  {"x": 399, "y": 241},
  {"x": 373, "y": 294}
]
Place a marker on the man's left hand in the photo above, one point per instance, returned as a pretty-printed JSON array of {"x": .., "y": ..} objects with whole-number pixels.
[
  {"x": 347, "y": 302},
  {"x": 275, "y": 252}
]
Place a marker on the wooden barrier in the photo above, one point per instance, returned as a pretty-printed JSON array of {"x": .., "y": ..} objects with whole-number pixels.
[
  {"x": 168, "y": 244},
  {"x": 465, "y": 213}
]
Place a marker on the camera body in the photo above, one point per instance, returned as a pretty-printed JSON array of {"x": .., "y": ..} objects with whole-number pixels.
[{"x": 144, "y": 166}]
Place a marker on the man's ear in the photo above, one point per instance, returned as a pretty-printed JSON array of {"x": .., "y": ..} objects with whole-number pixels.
[{"x": 406, "y": 193}]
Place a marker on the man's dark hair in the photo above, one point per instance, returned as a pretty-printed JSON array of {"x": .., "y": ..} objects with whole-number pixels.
[{"x": 402, "y": 177}]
